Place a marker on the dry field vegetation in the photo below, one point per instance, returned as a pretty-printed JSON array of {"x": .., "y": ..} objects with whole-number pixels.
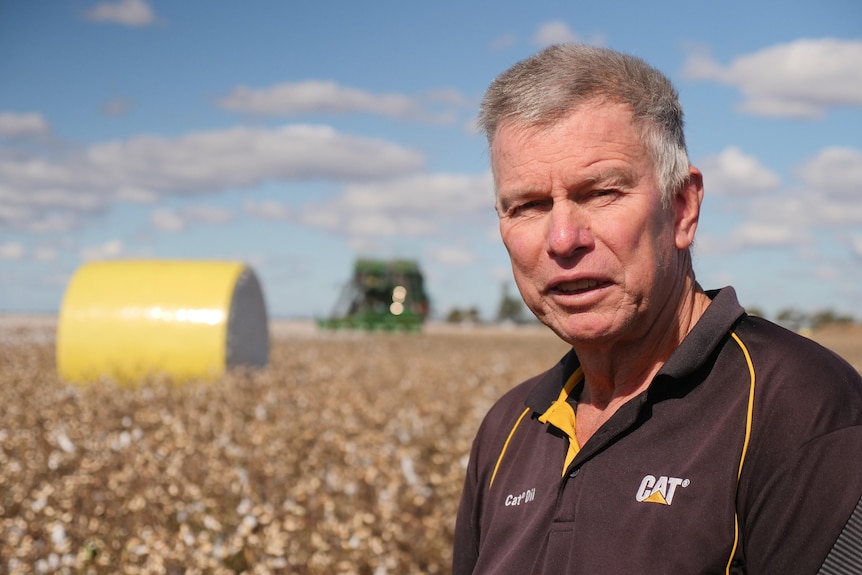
[{"x": 345, "y": 455}]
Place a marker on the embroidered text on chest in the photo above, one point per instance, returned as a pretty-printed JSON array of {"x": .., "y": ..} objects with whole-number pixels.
[{"x": 524, "y": 497}]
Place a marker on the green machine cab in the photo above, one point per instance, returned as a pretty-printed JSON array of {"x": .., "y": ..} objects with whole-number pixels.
[{"x": 383, "y": 295}]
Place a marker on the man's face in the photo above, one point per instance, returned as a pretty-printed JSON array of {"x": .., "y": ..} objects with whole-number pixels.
[{"x": 594, "y": 254}]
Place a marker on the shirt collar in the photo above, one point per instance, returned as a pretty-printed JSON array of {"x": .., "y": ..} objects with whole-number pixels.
[{"x": 692, "y": 353}]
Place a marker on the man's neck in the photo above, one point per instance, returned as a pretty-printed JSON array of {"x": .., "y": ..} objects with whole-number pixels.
[{"x": 615, "y": 374}]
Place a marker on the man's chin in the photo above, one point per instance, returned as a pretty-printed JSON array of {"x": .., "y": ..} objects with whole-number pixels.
[{"x": 579, "y": 329}]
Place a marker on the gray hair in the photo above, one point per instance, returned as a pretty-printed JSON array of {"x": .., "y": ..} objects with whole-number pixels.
[{"x": 545, "y": 88}]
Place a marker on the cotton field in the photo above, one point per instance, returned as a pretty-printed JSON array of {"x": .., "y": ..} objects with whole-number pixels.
[{"x": 345, "y": 455}]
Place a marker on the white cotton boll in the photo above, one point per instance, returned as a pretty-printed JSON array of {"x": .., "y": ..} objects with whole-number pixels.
[{"x": 64, "y": 443}]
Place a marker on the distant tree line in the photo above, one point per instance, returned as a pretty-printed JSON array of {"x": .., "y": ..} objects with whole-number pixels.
[
  {"x": 512, "y": 310},
  {"x": 458, "y": 315},
  {"x": 796, "y": 320}
]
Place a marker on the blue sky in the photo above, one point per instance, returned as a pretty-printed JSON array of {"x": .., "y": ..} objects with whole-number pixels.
[{"x": 298, "y": 136}]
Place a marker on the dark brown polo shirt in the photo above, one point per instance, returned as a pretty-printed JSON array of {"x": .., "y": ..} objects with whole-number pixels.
[{"x": 744, "y": 454}]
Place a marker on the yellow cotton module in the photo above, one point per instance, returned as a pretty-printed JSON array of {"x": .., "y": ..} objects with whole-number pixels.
[{"x": 126, "y": 320}]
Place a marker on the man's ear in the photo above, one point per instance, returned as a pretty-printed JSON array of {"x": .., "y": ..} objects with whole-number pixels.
[{"x": 686, "y": 205}]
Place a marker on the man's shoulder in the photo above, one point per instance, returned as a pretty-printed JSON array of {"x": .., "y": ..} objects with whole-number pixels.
[
  {"x": 802, "y": 388},
  {"x": 775, "y": 348}
]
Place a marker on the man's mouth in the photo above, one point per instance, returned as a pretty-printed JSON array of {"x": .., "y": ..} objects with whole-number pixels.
[{"x": 576, "y": 286}]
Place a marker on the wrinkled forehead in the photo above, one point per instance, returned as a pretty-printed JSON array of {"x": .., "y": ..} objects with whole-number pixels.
[
  {"x": 540, "y": 120},
  {"x": 519, "y": 131},
  {"x": 587, "y": 139}
]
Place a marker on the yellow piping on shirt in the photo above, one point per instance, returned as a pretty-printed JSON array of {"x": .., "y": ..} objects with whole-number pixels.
[
  {"x": 748, "y": 419},
  {"x": 506, "y": 445}
]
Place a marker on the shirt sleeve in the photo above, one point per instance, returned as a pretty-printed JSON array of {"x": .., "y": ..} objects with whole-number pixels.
[
  {"x": 465, "y": 550},
  {"x": 793, "y": 521},
  {"x": 801, "y": 476},
  {"x": 845, "y": 557}
]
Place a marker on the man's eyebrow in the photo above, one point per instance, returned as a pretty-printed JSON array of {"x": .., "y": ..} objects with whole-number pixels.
[
  {"x": 513, "y": 196},
  {"x": 613, "y": 176},
  {"x": 609, "y": 176}
]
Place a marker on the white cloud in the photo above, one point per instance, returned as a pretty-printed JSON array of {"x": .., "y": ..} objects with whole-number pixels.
[
  {"x": 414, "y": 205},
  {"x": 208, "y": 214},
  {"x": 829, "y": 211},
  {"x": 368, "y": 223},
  {"x": 268, "y": 210},
  {"x": 503, "y": 42},
  {"x": 323, "y": 218},
  {"x": 11, "y": 251},
  {"x": 320, "y": 97},
  {"x": 169, "y": 220},
  {"x": 803, "y": 210},
  {"x": 108, "y": 250},
  {"x": 134, "y": 13},
  {"x": 377, "y": 224},
  {"x": 764, "y": 234},
  {"x": 441, "y": 193},
  {"x": 756, "y": 232},
  {"x": 453, "y": 255},
  {"x": 835, "y": 171},
  {"x": 20, "y": 125},
  {"x": 800, "y": 79},
  {"x": 242, "y": 157},
  {"x": 556, "y": 32},
  {"x": 733, "y": 172},
  {"x": 492, "y": 231},
  {"x": 135, "y": 195},
  {"x": 45, "y": 254},
  {"x": 35, "y": 191},
  {"x": 447, "y": 96},
  {"x": 504, "y": 274},
  {"x": 824, "y": 198},
  {"x": 117, "y": 107},
  {"x": 827, "y": 197}
]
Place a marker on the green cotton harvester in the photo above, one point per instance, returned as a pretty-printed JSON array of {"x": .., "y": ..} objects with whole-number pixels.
[{"x": 384, "y": 295}]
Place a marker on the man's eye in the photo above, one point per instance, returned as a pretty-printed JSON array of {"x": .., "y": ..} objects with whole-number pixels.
[
  {"x": 528, "y": 207},
  {"x": 604, "y": 195}
]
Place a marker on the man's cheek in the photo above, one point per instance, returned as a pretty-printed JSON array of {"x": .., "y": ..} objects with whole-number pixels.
[{"x": 521, "y": 246}]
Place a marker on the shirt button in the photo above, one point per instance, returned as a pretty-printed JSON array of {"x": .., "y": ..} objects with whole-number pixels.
[{"x": 574, "y": 473}]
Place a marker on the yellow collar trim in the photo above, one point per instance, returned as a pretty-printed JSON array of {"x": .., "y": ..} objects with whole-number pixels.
[{"x": 561, "y": 415}]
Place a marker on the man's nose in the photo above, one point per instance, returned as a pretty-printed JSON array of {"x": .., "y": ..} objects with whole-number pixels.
[{"x": 569, "y": 230}]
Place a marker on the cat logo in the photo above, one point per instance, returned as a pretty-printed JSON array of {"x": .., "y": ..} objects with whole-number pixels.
[{"x": 659, "y": 490}]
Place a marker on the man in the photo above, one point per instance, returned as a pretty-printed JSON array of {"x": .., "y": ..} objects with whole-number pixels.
[{"x": 679, "y": 435}]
